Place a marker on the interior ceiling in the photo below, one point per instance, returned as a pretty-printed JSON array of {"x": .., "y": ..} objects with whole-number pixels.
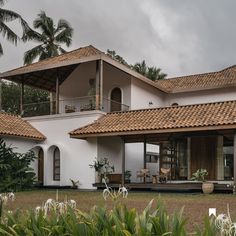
[{"x": 45, "y": 79}]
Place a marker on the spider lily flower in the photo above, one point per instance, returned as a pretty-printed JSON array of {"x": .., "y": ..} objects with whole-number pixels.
[{"x": 123, "y": 190}]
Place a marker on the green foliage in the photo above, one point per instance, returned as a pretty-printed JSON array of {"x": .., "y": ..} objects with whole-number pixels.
[
  {"x": 151, "y": 72},
  {"x": 200, "y": 175},
  {"x": 7, "y": 16},
  {"x": 99, "y": 221},
  {"x": 15, "y": 171},
  {"x": 32, "y": 96},
  {"x": 50, "y": 37}
]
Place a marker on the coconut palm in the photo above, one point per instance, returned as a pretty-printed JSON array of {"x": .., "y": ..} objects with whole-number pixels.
[
  {"x": 5, "y": 17},
  {"x": 50, "y": 37},
  {"x": 152, "y": 73}
]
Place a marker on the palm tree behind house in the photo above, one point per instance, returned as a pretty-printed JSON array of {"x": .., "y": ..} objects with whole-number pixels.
[
  {"x": 49, "y": 38},
  {"x": 8, "y": 16}
]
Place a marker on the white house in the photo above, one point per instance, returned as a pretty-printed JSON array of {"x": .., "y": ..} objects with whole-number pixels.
[{"x": 102, "y": 108}]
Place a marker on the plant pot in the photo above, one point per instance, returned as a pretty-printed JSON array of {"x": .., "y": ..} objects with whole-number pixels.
[
  {"x": 207, "y": 187},
  {"x": 97, "y": 178}
]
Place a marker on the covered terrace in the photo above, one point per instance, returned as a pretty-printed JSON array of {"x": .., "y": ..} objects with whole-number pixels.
[{"x": 189, "y": 138}]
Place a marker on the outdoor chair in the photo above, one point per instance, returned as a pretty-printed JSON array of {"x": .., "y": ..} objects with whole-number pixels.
[
  {"x": 164, "y": 175},
  {"x": 143, "y": 174}
]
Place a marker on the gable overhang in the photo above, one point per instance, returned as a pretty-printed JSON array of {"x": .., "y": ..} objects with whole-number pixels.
[
  {"x": 44, "y": 77},
  {"x": 156, "y": 132}
]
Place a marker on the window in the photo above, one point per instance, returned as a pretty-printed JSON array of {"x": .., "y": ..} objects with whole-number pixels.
[
  {"x": 116, "y": 99},
  {"x": 56, "y": 164}
]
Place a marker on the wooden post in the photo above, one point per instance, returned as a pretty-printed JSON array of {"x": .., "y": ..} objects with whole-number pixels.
[
  {"x": 123, "y": 162},
  {"x": 144, "y": 153},
  {"x": 101, "y": 84},
  {"x": 189, "y": 157},
  {"x": 51, "y": 103},
  {"x": 57, "y": 95},
  {"x": 220, "y": 158},
  {"x": 97, "y": 85},
  {"x": 22, "y": 99}
]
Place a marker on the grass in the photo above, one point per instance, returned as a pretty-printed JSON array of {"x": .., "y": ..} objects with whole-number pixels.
[{"x": 195, "y": 205}]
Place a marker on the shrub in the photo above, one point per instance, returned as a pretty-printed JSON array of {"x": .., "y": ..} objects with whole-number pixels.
[{"x": 15, "y": 171}]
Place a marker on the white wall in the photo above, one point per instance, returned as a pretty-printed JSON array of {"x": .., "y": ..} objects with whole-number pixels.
[
  {"x": 113, "y": 78},
  {"x": 111, "y": 148},
  {"x": 75, "y": 154},
  {"x": 142, "y": 94},
  {"x": 205, "y": 96}
]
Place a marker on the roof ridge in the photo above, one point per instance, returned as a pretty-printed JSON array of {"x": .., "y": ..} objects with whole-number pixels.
[
  {"x": 171, "y": 107},
  {"x": 204, "y": 73},
  {"x": 35, "y": 63}
]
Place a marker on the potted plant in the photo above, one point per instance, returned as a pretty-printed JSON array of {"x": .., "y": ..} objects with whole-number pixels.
[
  {"x": 75, "y": 184},
  {"x": 103, "y": 168},
  {"x": 200, "y": 175},
  {"x": 98, "y": 166},
  {"x": 107, "y": 169},
  {"x": 128, "y": 174}
]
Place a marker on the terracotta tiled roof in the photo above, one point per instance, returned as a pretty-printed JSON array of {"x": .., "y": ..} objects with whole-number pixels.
[
  {"x": 11, "y": 125},
  {"x": 221, "y": 115},
  {"x": 58, "y": 60},
  {"x": 219, "y": 79}
]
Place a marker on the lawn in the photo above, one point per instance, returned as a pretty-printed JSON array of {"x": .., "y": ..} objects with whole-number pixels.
[{"x": 195, "y": 205}]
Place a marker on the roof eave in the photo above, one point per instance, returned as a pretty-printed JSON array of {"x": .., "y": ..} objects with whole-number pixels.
[
  {"x": 14, "y": 72},
  {"x": 131, "y": 72},
  {"x": 159, "y": 131}
]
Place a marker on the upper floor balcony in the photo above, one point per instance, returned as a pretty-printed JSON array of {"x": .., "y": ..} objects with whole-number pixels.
[{"x": 78, "y": 104}]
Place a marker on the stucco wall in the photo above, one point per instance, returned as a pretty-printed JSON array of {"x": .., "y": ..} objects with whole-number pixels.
[
  {"x": 111, "y": 148},
  {"x": 205, "y": 96},
  {"x": 75, "y": 154},
  {"x": 145, "y": 96},
  {"x": 113, "y": 78}
]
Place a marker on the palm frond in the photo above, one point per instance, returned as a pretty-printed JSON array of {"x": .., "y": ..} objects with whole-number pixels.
[
  {"x": 44, "y": 23},
  {"x": 7, "y": 15},
  {"x": 33, "y": 53},
  {"x": 8, "y": 33},
  {"x": 30, "y": 34},
  {"x": 1, "y": 49},
  {"x": 65, "y": 36},
  {"x": 61, "y": 50}
]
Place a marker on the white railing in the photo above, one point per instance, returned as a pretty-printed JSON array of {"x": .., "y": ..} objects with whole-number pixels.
[{"x": 78, "y": 104}]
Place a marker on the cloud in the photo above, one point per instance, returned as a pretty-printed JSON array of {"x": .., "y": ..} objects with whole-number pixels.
[{"x": 182, "y": 37}]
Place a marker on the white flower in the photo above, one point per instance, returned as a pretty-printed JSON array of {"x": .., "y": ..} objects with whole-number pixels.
[
  {"x": 72, "y": 203},
  {"x": 106, "y": 193},
  {"x": 123, "y": 190},
  {"x": 11, "y": 196}
]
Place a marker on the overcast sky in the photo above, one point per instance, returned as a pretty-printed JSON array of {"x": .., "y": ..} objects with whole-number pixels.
[{"x": 180, "y": 36}]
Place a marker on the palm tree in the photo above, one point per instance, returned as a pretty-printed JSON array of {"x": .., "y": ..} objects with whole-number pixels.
[
  {"x": 153, "y": 73},
  {"x": 50, "y": 38},
  {"x": 5, "y": 17}
]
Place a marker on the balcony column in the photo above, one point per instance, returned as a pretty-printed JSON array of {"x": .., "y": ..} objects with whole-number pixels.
[
  {"x": 144, "y": 153},
  {"x": 188, "y": 152},
  {"x": 57, "y": 95},
  {"x": 22, "y": 99},
  {"x": 51, "y": 103},
  {"x": 123, "y": 162},
  {"x": 220, "y": 158},
  {"x": 99, "y": 85}
]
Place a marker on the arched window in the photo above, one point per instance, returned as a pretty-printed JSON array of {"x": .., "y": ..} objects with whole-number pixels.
[
  {"x": 40, "y": 166},
  {"x": 116, "y": 99},
  {"x": 56, "y": 164}
]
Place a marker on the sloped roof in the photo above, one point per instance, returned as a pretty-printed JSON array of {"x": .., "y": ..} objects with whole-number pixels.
[
  {"x": 220, "y": 79},
  {"x": 220, "y": 115},
  {"x": 57, "y": 61},
  {"x": 11, "y": 125},
  {"x": 43, "y": 74}
]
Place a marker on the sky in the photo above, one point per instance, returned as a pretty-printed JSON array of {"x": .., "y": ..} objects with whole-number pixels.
[{"x": 179, "y": 36}]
